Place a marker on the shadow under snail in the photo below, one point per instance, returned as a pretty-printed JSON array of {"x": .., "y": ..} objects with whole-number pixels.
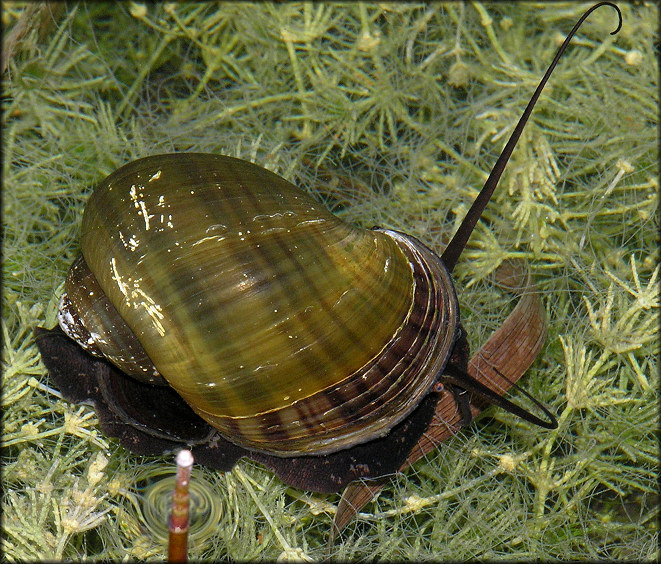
[{"x": 241, "y": 318}]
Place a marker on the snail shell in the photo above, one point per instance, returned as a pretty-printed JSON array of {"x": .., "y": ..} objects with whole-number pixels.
[{"x": 288, "y": 330}]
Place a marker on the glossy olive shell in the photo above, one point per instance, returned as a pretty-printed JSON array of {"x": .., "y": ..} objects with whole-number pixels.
[{"x": 285, "y": 328}]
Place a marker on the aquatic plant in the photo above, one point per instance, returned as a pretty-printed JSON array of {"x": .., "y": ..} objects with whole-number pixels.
[{"x": 392, "y": 114}]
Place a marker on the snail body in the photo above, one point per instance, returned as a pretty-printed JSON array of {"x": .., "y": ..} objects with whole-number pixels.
[
  {"x": 234, "y": 314},
  {"x": 288, "y": 330}
]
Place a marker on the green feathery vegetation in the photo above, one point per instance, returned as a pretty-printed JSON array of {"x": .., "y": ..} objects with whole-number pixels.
[{"x": 392, "y": 114}]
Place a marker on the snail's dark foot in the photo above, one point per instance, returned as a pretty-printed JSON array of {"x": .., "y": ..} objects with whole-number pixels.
[
  {"x": 148, "y": 420},
  {"x": 153, "y": 420}
]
